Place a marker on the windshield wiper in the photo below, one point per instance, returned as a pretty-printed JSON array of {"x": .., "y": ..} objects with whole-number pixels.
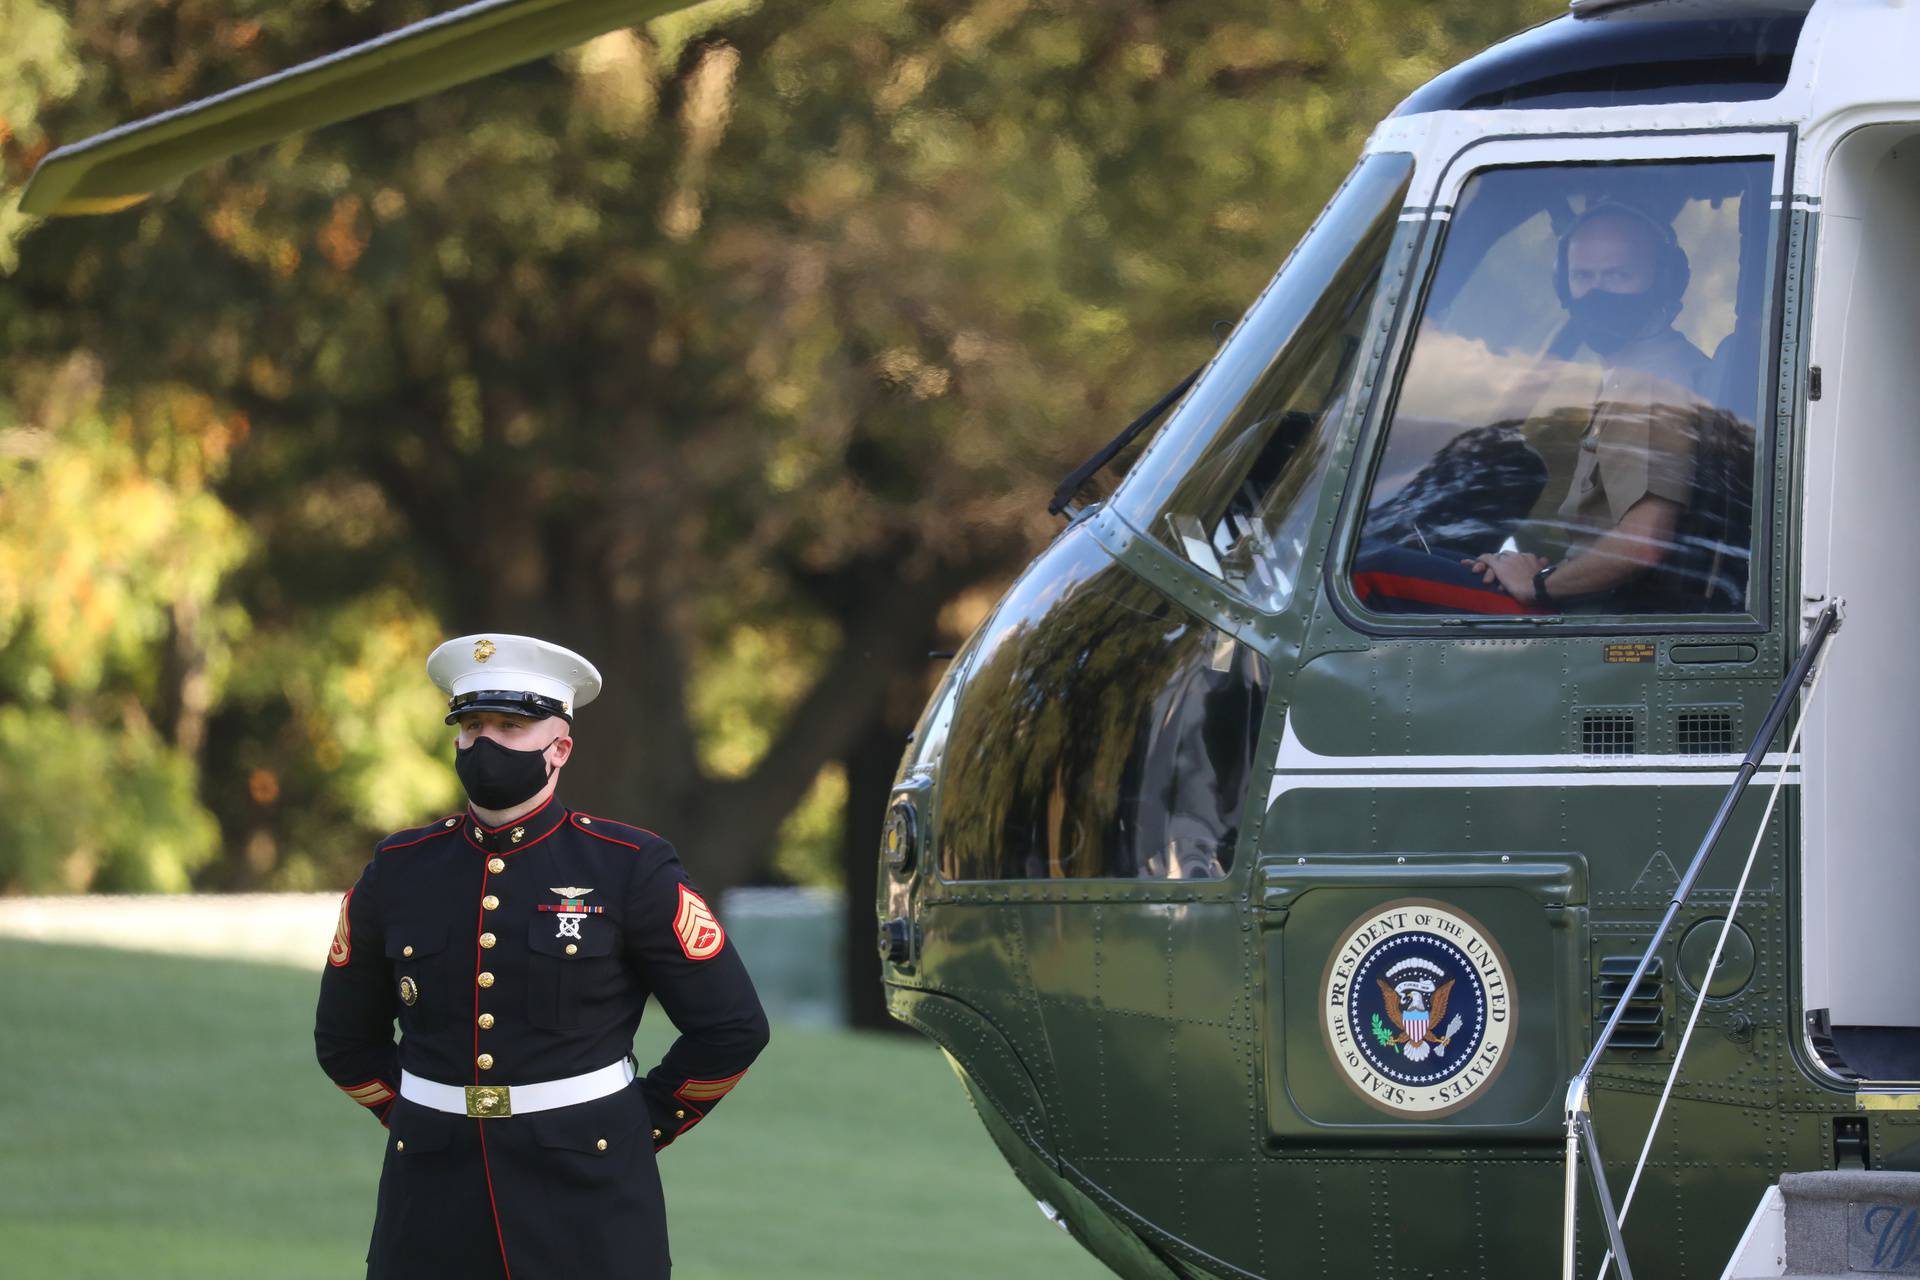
[{"x": 1063, "y": 496}]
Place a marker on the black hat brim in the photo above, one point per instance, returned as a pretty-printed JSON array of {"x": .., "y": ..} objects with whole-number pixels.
[{"x": 534, "y": 706}]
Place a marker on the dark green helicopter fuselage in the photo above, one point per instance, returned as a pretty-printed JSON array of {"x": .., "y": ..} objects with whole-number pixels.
[{"x": 1161, "y": 829}]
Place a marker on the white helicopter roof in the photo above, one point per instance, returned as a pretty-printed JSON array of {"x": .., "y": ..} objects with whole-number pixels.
[{"x": 1641, "y": 67}]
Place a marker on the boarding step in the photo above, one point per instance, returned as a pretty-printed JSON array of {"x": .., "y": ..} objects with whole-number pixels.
[{"x": 1846, "y": 1222}]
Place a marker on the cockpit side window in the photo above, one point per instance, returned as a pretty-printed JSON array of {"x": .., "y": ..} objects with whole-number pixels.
[
  {"x": 1575, "y": 430},
  {"x": 1229, "y": 485}
]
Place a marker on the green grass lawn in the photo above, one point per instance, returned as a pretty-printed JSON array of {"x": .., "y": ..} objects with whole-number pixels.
[{"x": 164, "y": 1117}]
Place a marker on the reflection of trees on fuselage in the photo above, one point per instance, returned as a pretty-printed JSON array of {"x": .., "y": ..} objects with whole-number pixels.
[{"x": 1109, "y": 735}]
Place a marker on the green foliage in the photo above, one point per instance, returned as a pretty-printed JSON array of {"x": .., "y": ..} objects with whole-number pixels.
[
  {"x": 37, "y": 66},
  {"x": 746, "y": 682},
  {"x": 728, "y": 349},
  {"x": 809, "y": 846},
  {"x": 748, "y": 679},
  {"x": 109, "y": 531},
  {"x": 362, "y": 740},
  {"x": 113, "y": 555},
  {"x": 107, "y": 807}
]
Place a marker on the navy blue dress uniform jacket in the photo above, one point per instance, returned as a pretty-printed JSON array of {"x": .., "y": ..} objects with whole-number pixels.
[{"x": 520, "y": 955}]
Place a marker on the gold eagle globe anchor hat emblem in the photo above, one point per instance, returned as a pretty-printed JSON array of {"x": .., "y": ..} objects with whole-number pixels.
[{"x": 522, "y": 675}]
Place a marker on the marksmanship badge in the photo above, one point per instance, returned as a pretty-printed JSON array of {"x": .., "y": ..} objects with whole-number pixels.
[
  {"x": 572, "y": 910},
  {"x": 1417, "y": 1008}
]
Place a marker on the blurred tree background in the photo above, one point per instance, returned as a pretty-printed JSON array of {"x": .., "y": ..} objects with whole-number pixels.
[{"x": 738, "y": 351}]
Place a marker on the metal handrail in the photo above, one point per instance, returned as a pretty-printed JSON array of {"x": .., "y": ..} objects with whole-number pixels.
[{"x": 1579, "y": 1116}]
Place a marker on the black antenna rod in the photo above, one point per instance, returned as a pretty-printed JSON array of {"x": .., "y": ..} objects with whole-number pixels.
[{"x": 1063, "y": 496}]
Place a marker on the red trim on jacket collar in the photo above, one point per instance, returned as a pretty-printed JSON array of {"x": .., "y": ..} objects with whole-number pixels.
[
  {"x": 528, "y": 819},
  {"x": 539, "y": 824}
]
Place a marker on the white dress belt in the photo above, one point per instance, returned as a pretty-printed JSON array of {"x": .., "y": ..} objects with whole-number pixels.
[{"x": 518, "y": 1099}]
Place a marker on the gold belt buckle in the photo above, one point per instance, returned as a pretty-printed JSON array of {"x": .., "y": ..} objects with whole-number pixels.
[{"x": 489, "y": 1101}]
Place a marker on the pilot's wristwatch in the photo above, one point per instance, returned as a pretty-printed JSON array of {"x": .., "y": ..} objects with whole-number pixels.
[{"x": 1540, "y": 596}]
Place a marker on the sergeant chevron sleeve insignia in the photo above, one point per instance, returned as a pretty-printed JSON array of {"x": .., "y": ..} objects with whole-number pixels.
[
  {"x": 342, "y": 949},
  {"x": 700, "y": 934}
]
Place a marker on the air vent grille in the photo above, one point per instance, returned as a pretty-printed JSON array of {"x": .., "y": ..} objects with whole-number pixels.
[
  {"x": 1645, "y": 1023},
  {"x": 1706, "y": 733},
  {"x": 1607, "y": 733}
]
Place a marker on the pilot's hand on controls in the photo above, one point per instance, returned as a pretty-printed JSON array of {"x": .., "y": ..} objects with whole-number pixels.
[{"x": 1511, "y": 571}]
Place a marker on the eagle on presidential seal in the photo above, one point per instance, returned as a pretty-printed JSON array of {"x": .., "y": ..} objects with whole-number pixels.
[{"x": 1416, "y": 1001}]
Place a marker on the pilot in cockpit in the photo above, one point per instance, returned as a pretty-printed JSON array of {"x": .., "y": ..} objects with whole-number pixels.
[{"x": 1621, "y": 274}]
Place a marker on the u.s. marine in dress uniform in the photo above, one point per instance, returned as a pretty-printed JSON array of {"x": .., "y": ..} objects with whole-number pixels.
[{"x": 516, "y": 945}]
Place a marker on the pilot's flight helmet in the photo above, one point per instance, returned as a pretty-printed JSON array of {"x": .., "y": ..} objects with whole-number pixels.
[{"x": 1671, "y": 270}]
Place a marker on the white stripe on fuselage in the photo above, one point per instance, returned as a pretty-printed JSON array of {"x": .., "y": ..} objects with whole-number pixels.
[{"x": 1300, "y": 768}]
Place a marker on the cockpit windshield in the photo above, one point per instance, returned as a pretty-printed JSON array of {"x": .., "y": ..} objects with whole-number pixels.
[
  {"x": 1228, "y": 482},
  {"x": 1575, "y": 430}
]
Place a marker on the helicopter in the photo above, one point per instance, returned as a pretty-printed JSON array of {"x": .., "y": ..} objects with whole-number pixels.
[{"x": 1327, "y": 850}]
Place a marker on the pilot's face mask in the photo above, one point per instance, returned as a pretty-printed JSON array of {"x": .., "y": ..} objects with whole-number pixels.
[{"x": 1608, "y": 321}]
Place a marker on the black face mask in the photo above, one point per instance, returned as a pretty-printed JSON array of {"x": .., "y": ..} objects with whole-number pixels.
[
  {"x": 498, "y": 777},
  {"x": 1609, "y": 321}
]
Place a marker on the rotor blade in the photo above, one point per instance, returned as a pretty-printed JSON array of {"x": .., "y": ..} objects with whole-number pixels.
[{"x": 123, "y": 166}]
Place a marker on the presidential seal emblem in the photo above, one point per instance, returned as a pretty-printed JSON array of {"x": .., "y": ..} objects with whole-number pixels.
[{"x": 1417, "y": 1008}]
